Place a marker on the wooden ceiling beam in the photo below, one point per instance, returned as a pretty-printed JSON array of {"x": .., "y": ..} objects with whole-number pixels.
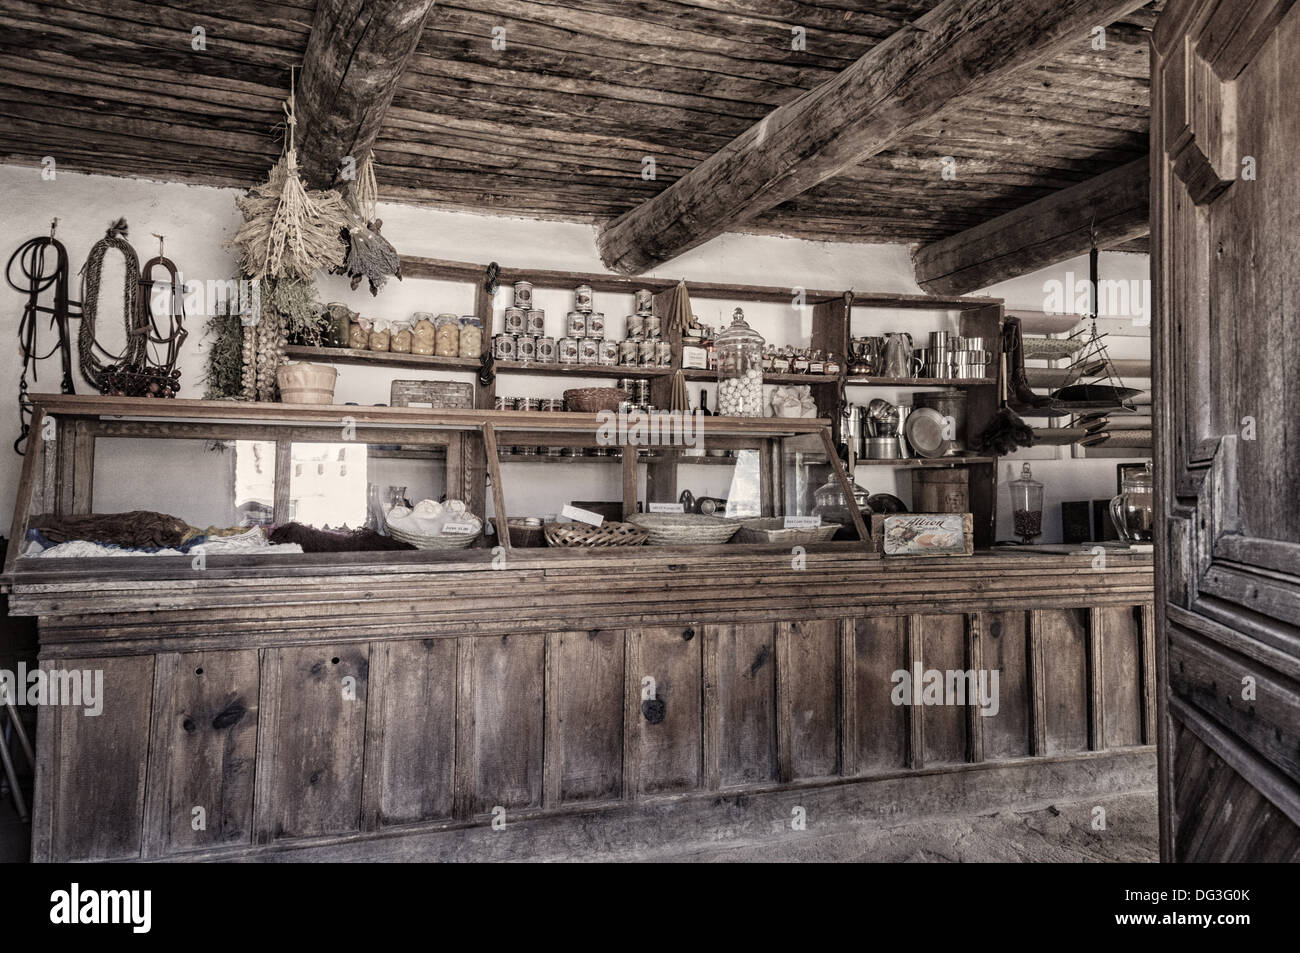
[
  {"x": 356, "y": 55},
  {"x": 960, "y": 48},
  {"x": 1042, "y": 233}
]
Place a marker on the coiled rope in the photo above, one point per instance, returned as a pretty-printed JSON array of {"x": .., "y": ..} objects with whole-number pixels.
[{"x": 89, "y": 349}]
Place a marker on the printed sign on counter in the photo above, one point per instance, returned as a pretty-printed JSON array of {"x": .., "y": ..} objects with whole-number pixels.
[
  {"x": 802, "y": 522},
  {"x": 923, "y": 534},
  {"x": 578, "y": 514},
  {"x": 667, "y": 507}
]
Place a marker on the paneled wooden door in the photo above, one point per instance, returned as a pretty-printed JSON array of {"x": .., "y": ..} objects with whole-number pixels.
[{"x": 1226, "y": 260}]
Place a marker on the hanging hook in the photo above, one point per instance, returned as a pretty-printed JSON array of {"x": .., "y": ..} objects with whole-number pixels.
[
  {"x": 160, "y": 244},
  {"x": 54, "y": 223}
]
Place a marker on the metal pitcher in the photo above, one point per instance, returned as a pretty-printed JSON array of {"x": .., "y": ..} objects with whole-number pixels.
[{"x": 899, "y": 357}]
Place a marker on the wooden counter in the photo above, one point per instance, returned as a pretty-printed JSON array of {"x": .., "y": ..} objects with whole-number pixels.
[{"x": 391, "y": 709}]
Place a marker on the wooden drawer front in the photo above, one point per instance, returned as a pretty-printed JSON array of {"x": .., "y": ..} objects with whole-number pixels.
[
  {"x": 1064, "y": 634},
  {"x": 1004, "y": 645}
]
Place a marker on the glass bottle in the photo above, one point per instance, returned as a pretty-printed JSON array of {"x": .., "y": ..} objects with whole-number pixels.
[
  {"x": 1027, "y": 506},
  {"x": 1132, "y": 510}
]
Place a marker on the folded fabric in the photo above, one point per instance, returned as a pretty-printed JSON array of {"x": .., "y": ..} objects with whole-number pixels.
[
  {"x": 315, "y": 540},
  {"x": 138, "y": 528}
]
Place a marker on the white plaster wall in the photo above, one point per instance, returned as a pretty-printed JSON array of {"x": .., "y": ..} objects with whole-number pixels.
[{"x": 198, "y": 221}]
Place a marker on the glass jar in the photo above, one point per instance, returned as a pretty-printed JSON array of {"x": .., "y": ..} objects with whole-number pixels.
[
  {"x": 402, "y": 340},
  {"x": 422, "y": 338},
  {"x": 1133, "y": 511},
  {"x": 380, "y": 337},
  {"x": 471, "y": 336},
  {"x": 1027, "y": 506},
  {"x": 740, "y": 369},
  {"x": 446, "y": 335},
  {"x": 832, "y": 506}
]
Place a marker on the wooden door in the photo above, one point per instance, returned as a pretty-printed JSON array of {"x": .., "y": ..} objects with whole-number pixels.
[{"x": 1226, "y": 260}]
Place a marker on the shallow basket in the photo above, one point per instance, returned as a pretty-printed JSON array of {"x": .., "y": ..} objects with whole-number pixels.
[
  {"x": 449, "y": 541},
  {"x": 592, "y": 400},
  {"x": 685, "y": 529},
  {"x": 771, "y": 529},
  {"x": 609, "y": 533},
  {"x": 306, "y": 383}
]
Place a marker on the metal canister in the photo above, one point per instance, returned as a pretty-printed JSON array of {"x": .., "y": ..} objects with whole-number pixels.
[
  {"x": 582, "y": 297},
  {"x": 516, "y": 320},
  {"x": 635, "y": 325},
  {"x": 641, "y": 391},
  {"x": 664, "y": 353},
  {"x": 596, "y": 324},
  {"x": 535, "y": 322},
  {"x": 568, "y": 350},
  {"x": 503, "y": 403},
  {"x": 523, "y": 294},
  {"x": 645, "y": 300},
  {"x": 546, "y": 351},
  {"x": 552, "y": 404},
  {"x": 588, "y": 351},
  {"x": 650, "y": 323},
  {"x": 575, "y": 324},
  {"x": 608, "y": 353},
  {"x": 647, "y": 353},
  {"x": 526, "y": 348},
  {"x": 503, "y": 347},
  {"x": 627, "y": 352}
]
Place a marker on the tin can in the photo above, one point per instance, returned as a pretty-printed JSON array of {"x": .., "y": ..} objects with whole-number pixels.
[
  {"x": 588, "y": 351},
  {"x": 635, "y": 325},
  {"x": 503, "y": 347},
  {"x": 527, "y": 403},
  {"x": 608, "y": 353},
  {"x": 647, "y": 354},
  {"x": 641, "y": 391},
  {"x": 650, "y": 325},
  {"x": 526, "y": 348},
  {"x": 627, "y": 352},
  {"x": 523, "y": 294},
  {"x": 664, "y": 353},
  {"x": 504, "y": 403},
  {"x": 516, "y": 321},
  {"x": 552, "y": 405},
  {"x": 575, "y": 324},
  {"x": 568, "y": 350},
  {"x": 596, "y": 325},
  {"x": 582, "y": 298},
  {"x": 645, "y": 300},
  {"x": 535, "y": 322},
  {"x": 546, "y": 351}
]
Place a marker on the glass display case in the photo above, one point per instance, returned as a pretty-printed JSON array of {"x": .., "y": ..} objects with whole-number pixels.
[{"x": 116, "y": 477}]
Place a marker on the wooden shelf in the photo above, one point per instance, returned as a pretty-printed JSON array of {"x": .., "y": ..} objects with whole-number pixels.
[
  {"x": 698, "y": 374},
  {"x": 920, "y": 381},
  {"x": 344, "y": 355},
  {"x": 580, "y": 370},
  {"x": 916, "y": 462}
]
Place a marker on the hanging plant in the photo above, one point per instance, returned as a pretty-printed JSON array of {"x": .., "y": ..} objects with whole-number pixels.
[
  {"x": 225, "y": 357},
  {"x": 369, "y": 254},
  {"x": 290, "y": 231}
]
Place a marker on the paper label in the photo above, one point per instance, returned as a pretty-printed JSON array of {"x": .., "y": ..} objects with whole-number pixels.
[
  {"x": 803, "y": 522},
  {"x": 458, "y": 529},
  {"x": 667, "y": 507},
  {"x": 582, "y": 516}
]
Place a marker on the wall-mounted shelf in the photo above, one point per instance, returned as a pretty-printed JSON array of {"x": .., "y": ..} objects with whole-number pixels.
[
  {"x": 579, "y": 370},
  {"x": 700, "y": 374},
  {"x": 916, "y": 462},
  {"x": 919, "y": 381},
  {"x": 344, "y": 355}
]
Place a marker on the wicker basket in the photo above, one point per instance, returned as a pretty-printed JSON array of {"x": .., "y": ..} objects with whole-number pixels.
[
  {"x": 306, "y": 383},
  {"x": 685, "y": 529},
  {"x": 594, "y": 537},
  {"x": 449, "y": 541},
  {"x": 772, "y": 530},
  {"x": 592, "y": 400}
]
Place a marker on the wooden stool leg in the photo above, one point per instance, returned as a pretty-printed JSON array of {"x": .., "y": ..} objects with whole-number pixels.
[
  {"x": 22, "y": 733},
  {"x": 12, "y": 775}
]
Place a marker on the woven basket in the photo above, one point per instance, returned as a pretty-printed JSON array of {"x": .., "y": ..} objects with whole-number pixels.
[
  {"x": 592, "y": 400},
  {"x": 772, "y": 530},
  {"x": 594, "y": 537},
  {"x": 449, "y": 541},
  {"x": 306, "y": 383},
  {"x": 683, "y": 529}
]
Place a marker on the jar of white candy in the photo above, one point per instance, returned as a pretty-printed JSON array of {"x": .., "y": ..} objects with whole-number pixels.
[{"x": 740, "y": 369}]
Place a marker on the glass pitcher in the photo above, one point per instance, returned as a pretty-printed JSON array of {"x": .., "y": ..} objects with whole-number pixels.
[{"x": 1133, "y": 510}]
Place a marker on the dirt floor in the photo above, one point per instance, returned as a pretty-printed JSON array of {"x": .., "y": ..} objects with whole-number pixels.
[{"x": 1061, "y": 832}]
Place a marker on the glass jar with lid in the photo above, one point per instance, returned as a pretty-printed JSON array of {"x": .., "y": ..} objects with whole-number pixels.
[
  {"x": 831, "y": 504},
  {"x": 1133, "y": 509},
  {"x": 1027, "y": 506},
  {"x": 740, "y": 369},
  {"x": 470, "y": 339},
  {"x": 446, "y": 335}
]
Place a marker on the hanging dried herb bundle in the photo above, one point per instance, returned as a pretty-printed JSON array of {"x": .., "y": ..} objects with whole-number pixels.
[
  {"x": 225, "y": 356},
  {"x": 369, "y": 254},
  {"x": 289, "y": 231}
]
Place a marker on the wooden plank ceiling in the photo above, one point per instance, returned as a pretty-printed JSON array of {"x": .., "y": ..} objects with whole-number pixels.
[{"x": 558, "y": 124}]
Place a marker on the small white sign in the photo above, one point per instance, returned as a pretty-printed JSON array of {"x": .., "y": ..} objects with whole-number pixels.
[
  {"x": 803, "y": 522},
  {"x": 581, "y": 515},
  {"x": 667, "y": 507},
  {"x": 458, "y": 529}
]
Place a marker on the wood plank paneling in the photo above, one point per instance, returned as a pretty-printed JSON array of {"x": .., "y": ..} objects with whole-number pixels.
[
  {"x": 311, "y": 745},
  {"x": 1121, "y": 673},
  {"x": 670, "y": 751},
  {"x": 411, "y": 732},
  {"x": 1006, "y": 644},
  {"x": 100, "y": 760},
  {"x": 810, "y": 695},
  {"x": 746, "y": 701},
  {"x": 881, "y": 650},
  {"x": 508, "y": 722},
  {"x": 1065, "y": 683},
  {"x": 209, "y": 736},
  {"x": 590, "y": 710},
  {"x": 943, "y": 648}
]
